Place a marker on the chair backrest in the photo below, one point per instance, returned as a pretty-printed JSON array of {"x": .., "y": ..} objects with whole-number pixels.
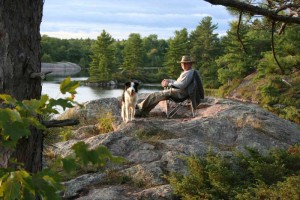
[{"x": 196, "y": 90}]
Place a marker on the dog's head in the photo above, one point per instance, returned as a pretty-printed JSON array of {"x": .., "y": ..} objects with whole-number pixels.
[{"x": 131, "y": 87}]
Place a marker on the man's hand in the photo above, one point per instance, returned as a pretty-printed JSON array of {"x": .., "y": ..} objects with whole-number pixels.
[{"x": 164, "y": 83}]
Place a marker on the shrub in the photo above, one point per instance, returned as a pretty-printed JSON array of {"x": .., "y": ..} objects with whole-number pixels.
[
  {"x": 105, "y": 124},
  {"x": 251, "y": 176}
]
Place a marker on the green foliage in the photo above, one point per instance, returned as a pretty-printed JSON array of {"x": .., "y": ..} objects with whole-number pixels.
[
  {"x": 287, "y": 189},
  {"x": 205, "y": 48},
  {"x": 66, "y": 134},
  {"x": 20, "y": 115},
  {"x": 15, "y": 121},
  {"x": 105, "y": 124},
  {"x": 46, "y": 58},
  {"x": 134, "y": 55},
  {"x": 46, "y": 184},
  {"x": 83, "y": 157},
  {"x": 114, "y": 177},
  {"x": 252, "y": 176},
  {"x": 102, "y": 58},
  {"x": 68, "y": 86},
  {"x": 290, "y": 113},
  {"x": 72, "y": 50},
  {"x": 290, "y": 98},
  {"x": 178, "y": 46},
  {"x": 21, "y": 185}
]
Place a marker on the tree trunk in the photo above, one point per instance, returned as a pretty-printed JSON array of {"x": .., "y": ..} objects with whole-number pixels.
[{"x": 20, "y": 57}]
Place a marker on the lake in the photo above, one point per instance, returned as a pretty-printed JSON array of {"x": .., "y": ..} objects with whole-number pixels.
[{"x": 86, "y": 93}]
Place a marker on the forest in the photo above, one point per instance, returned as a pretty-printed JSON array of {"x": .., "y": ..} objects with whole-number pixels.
[{"x": 223, "y": 61}]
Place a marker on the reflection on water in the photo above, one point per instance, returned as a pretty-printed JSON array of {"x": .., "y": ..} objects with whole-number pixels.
[{"x": 85, "y": 93}]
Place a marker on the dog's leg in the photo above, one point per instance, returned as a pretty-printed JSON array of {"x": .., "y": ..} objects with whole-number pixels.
[
  {"x": 127, "y": 113},
  {"x": 123, "y": 112},
  {"x": 132, "y": 113}
]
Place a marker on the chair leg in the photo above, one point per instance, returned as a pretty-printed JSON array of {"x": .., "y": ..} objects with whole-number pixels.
[
  {"x": 174, "y": 111},
  {"x": 193, "y": 111}
]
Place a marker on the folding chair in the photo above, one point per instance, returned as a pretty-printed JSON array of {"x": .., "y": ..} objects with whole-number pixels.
[
  {"x": 179, "y": 104},
  {"x": 195, "y": 94}
]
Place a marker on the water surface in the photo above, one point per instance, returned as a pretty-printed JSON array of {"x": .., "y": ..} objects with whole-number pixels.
[{"x": 86, "y": 93}]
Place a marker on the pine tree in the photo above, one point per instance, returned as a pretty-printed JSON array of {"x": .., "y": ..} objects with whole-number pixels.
[
  {"x": 134, "y": 55},
  {"x": 234, "y": 63},
  {"x": 178, "y": 46},
  {"x": 287, "y": 52},
  {"x": 205, "y": 47},
  {"x": 102, "y": 58}
]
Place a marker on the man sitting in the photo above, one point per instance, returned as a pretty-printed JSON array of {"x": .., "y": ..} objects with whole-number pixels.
[{"x": 178, "y": 89}]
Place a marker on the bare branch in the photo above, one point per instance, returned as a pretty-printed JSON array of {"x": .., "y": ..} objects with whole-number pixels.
[
  {"x": 287, "y": 6},
  {"x": 255, "y": 10},
  {"x": 60, "y": 123},
  {"x": 41, "y": 75},
  {"x": 273, "y": 48},
  {"x": 238, "y": 32}
]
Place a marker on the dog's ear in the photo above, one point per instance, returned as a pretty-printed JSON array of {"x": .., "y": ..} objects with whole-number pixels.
[
  {"x": 127, "y": 84},
  {"x": 137, "y": 84}
]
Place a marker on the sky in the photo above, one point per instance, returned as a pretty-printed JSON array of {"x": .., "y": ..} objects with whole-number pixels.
[{"x": 88, "y": 18}]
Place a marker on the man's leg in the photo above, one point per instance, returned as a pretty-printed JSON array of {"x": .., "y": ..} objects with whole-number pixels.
[{"x": 152, "y": 100}]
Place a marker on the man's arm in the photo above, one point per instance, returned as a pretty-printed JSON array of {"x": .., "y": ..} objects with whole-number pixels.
[{"x": 183, "y": 81}]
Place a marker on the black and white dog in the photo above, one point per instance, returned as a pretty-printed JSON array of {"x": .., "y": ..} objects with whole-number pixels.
[{"x": 129, "y": 100}]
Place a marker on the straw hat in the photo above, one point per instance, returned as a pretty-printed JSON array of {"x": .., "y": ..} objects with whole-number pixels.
[{"x": 186, "y": 59}]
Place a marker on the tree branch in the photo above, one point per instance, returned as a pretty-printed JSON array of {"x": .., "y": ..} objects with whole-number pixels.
[
  {"x": 60, "y": 123},
  {"x": 273, "y": 48},
  {"x": 41, "y": 75},
  {"x": 238, "y": 32},
  {"x": 245, "y": 7}
]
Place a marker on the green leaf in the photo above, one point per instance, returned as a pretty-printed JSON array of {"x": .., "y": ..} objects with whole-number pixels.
[
  {"x": 13, "y": 127},
  {"x": 34, "y": 122},
  {"x": 8, "y": 99},
  {"x": 8, "y": 115},
  {"x": 46, "y": 184},
  {"x": 64, "y": 103},
  {"x": 81, "y": 151},
  {"x": 69, "y": 164},
  {"x": 10, "y": 188},
  {"x": 68, "y": 86}
]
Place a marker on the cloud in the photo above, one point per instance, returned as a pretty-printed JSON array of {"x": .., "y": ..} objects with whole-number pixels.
[{"x": 78, "y": 18}]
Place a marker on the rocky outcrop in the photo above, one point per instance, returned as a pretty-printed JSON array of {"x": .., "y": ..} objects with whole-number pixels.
[
  {"x": 61, "y": 68},
  {"x": 153, "y": 146}
]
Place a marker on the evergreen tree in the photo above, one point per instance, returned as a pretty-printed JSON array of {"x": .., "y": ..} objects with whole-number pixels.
[
  {"x": 46, "y": 58},
  {"x": 151, "y": 45},
  {"x": 178, "y": 46},
  {"x": 118, "y": 56},
  {"x": 72, "y": 50},
  {"x": 102, "y": 58},
  {"x": 205, "y": 47},
  {"x": 134, "y": 55},
  {"x": 287, "y": 48},
  {"x": 155, "y": 51},
  {"x": 234, "y": 63}
]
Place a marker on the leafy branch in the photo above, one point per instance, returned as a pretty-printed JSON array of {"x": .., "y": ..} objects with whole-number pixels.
[{"x": 16, "y": 119}]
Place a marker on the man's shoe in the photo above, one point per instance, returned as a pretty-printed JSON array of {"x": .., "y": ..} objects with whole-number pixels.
[{"x": 139, "y": 113}]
